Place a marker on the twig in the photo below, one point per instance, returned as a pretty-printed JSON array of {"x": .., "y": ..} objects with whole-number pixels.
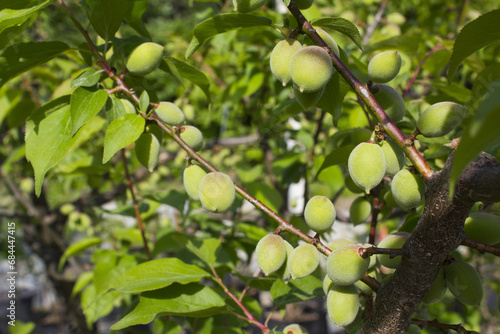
[
  {"x": 434, "y": 323},
  {"x": 419, "y": 67},
  {"x": 481, "y": 247},
  {"x": 30, "y": 208},
  {"x": 136, "y": 204},
  {"x": 376, "y": 21}
]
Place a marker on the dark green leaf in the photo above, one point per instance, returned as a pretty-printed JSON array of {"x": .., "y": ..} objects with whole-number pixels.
[
  {"x": 341, "y": 25},
  {"x": 333, "y": 96},
  {"x": 157, "y": 274},
  {"x": 87, "y": 78},
  {"x": 173, "y": 198},
  {"x": 190, "y": 73},
  {"x": 296, "y": 290},
  {"x": 134, "y": 17},
  {"x": 337, "y": 157},
  {"x": 190, "y": 300},
  {"x": 205, "y": 249},
  {"x": 122, "y": 132},
  {"x": 16, "y": 17},
  {"x": 482, "y": 131},
  {"x": 474, "y": 36},
  {"x": 281, "y": 113},
  {"x": 85, "y": 104},
  {"x": 402, "y": 43},
  {"x": 114, "y": 108},
  {"x": 107, "y": 16},
  {"x": 223, "y": 23},
  {"x": 19, "y": 58}
]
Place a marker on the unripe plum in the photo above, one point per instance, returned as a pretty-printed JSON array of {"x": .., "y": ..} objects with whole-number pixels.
[
  {"x": 393, "y": 240},
  {"x": 440, "y": 118},
  {"x": 360, "y": 210},
  {"x": 342, "y": 304},
  {"x": 246, "y": 6},
  {"x": 394, "y": 157},
  {"x": 407, "y": 189},
  {"x": 328, "y": 40},
  {"x": 145, "y": 58},
  {"x": 362, "y": 286},
  {"x": 169, "y": 113},
  {"x": 334, "y": 244},
  {"x": 311, "y": 68},
  {"x": 319, "y": 214},
  {"x": 294, "y": 329},
  {"x": 284, "y": 271},
  {"x": 391, "y": 101},
  {"x": 303, "y": 260},
  {"x": 464, "y": 282},
  {"x": 345, "y": 265},
  {"x": 192, "y": 136},
  {"x": 281, "y": 57},
  {"x": 366, "y": 165},
  {"x": 191, "y": 178},
  {"x": 147, "y": 150},
  {"x": 216, "y": 192},
  {"x": 384, "y": 66},
  {"x": 483, "y": 227},
  {"x": 437, "y": 289},
  {"x": 270, "y": 253},
  {"x": 309, "y": 99}
]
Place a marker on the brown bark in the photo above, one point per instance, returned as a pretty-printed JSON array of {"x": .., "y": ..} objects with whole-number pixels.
[{"x": 439, "y": 231}]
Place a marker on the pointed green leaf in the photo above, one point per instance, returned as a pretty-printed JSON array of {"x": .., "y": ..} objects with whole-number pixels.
[
  {"x": 474, "y": 36},
  {"x": 341, "y": 25},
  {"x": 157, "y": 274},
  {"x": 333, "y": 96},
  {"x": 190, "y": 300},
  {"x": 337, "y": 157},
  {"x": 15, "y": 17},
  {"x": 122, "y": 132},
  {"x": 134, "y": 17},
  {"x": 296, "y": 290},
  {"x": 48, "y": 138},
  {"x": 107, "y": 16},
  {"x": 77, "y": 248},
  {"x": 482, "y": 131},
  {"x": 190, "y": 73},
  {"x": 87, "y": 78},
  {"x": 19, "y": 58},
  {"x": 144, "y": 101},
  {"x": 223, "y": 23},
  {"x": 85, "y": 104},
  {"x": 109, "y": 268},
  {"x": 205, "y": 249},
  {"x": 82, "y": 281}
]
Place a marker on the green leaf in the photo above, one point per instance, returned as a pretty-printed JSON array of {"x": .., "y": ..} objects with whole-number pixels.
[
  {"x": 19, "y": 58},
  {"x": 296, "y": 290},
  {"x": 109, "y": 268},
  {"x": 341, "y": 25},
  {"x": 48, "y": 137},
  {"x": 134, "y": 17},
  {"x": 107, "y": 16},
  {"x": 173, "y": 198},
  {"x": 114, "y": 109},
  {"x": 144, "y": 102},
  {"x": 220, "y": 24},
  {"x": 85, "y": 104},
  {"x": 88, "y": 78},
  {"x": 16, "y": 17},
  {"x": 190, "y": 73},
  {"x": 407, "y": 43},
  {"x": 266, "y": 194},
  {"x": 333, "y": 96},
  {"x": 337, "y": 157},
  {"x": 482, "y": 131},
  {"x": 281, "y": 113},
  {"x": 122, "y": 132},
  {"x": 192, "y": 300},
  {"x": 77, "y": 248},
  {"x": 205, "y": 249},
  {"x": 82, "y": 281},
  {"x": 157, "y": 274},
  {"x": 474, "y": 35}
]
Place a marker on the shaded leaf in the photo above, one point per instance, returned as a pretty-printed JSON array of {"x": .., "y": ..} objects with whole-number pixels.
[
  {"x": 296, "y": 290},
  {"x": 333, "y": 96},
  {"x": 341, "y": 25},
  {"x": 107, "y": 16},
  {"x": 188, "y": 72},
  {"x": 15, "y": 17},
  {"x": 134, "y": 17},
  {"x": 337, "y": 157}
]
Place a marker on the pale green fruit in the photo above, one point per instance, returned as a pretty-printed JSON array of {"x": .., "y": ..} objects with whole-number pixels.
[
  {"x": 389, "y": 200},
  {"x": 303, "y": 260},
  {"x": 384, "y": 66},
  {"x": 191, "y": 178},
  {"x": 361, "y": 286},
  {"x": 270, "y": 253},
  {"x": 437, "y": 289},
  {"x": 304, "y": 4},
  {"x": 169, "y": 113},
  {"x": 407, "y": 189},
  {"x": 413, "y": 329},
  {"x": 129, "y": 107},
  {"x": 464, "y": 282},
  {"x": 281, "y": 57},
  {"x": 440, "y": 118},
  {"x": 334, "y": 244},
  {"x": 342, "y": 304},
  {"x": 394, "y": 157},
  {"x": 311, "y": 68},
  {"x": 294, "y": 329},
  {"x": 192, "y": 136},
  {"x": 345, "y": 265},
  {"x": 216, "y": 192},
  {"x": 246, "y": 6},
  {"x": 391, "y": 101},
  {"x": 360, "y": 210},
  {"x": 393, "y": 240},
  {"x": 67, "y": 208},
  {"x": 147, "y": 150},
  {"x": 309, "y": 99},
  {"x": 483, "y": 227},
  {"x": 366, "y": 165},
  {"x": 328, "y": 40},
  {"x": 284, "y": 271},
  {"x": 373, "y": 258},
  {"x": 145, "y": 58},
  {"x": 319, "y": 214}
]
